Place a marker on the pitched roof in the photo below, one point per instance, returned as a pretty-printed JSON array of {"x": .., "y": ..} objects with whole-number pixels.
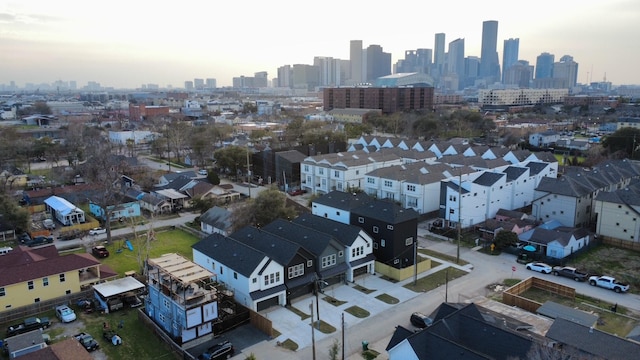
[
  {"x": 344, "y": 233},
  {"x": 386, "y": 211},
  {"x": 293, "y": 156},
  {"x": 342, "y": 200},
  {"x": 235, "y": 254},
  {"x": 488, "y": 178},
  {"x": 24, "y": 264},
  {"x": 217, "y": 217},
  {"x": 314, "y": 241},
  {"x": 514, "y": 172},
  {"x": 592, "y": 341},
  {"x": 275, "y": 247}
]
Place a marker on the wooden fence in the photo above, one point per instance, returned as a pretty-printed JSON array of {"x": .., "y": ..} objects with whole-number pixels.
[
  {"x": 624, "y": 244},
  {"x": 512, "y": 297},
  {"x": 402, "y": 274},
  {"x": 17, "y": 314}
]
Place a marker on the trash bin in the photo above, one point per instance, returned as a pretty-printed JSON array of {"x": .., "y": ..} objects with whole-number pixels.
[{"x": 365, "y": 345}]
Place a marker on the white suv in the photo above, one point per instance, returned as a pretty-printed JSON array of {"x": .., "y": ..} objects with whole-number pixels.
[
  {"x": 65, "y": 314},
  {"x": 97, "y": 231}
]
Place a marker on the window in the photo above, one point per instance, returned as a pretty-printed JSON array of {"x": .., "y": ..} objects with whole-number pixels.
[
  {"x": 329, "y": 260},
  {"x": 45, "y": 281},
  {"x": 408, "y": 241},
  {"x": 411, "y": 187},
  {"x": 68, "y": 292},
  {"x": 162, "y": 318},
  {"x": 309, "y": 263},
  {"x": 235, "y": 275},
  {"x": 165, "y": 302},
  {"x": 388, "y": 183},
  {"x": 371, "y": 180},
  {"x": 30, "y": 285},
  {"x": 336, "y": 173},
  {"x": 361, "y": 220},
  {"x": 357, "y": 172},
  {"x": 382, "y": 242},
  {"x": 389, "y": 227},
  {"x": 37, "y": 300},
  {"x": 254, "y": 280},
  {"x": 375, "y": 230},
  {"x": 321, "y": 171},
  {"x": 340, "y": 254},
  {"x": 357, "y": 251},
  {"x": 221, "y": 270},
  {"x": 306, "y": 168},
  {"x": 62, "y": 278},
  {"x": 375, "y": 245},
  {"x": 296, "y": 270},
  {"x": 396, "y": 261},
  {"x": 2, "y": 292}
]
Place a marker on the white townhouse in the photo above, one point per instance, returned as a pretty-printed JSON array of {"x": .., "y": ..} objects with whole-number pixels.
[
  {"x": 257, "y": 281},
  {"x": 544, "y": 139},
  {"x": 570, "y": 198},
  {"x": 618, "y": 213},
  {"x": 415, "y": 185},
  {"x": 337, "y": 205},
  {"x": 321, "y": 174},
  {"x": 484, "y": 195}
]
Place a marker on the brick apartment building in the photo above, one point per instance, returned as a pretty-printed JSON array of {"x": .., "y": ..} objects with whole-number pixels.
[{"x": 389, "y": 100}]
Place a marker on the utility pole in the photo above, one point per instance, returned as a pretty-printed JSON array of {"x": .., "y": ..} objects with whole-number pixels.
[
  {"x": 248, "y": 172},
  {"x": 343, "y": 336},
  {"x": 415, "y": 262},
  {"x": 313, "y": 336}
]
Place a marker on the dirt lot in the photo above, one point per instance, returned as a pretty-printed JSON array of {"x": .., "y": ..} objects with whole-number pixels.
[
  {"x": 60, "y": 331},
  {"x": 619, "y": 263}
]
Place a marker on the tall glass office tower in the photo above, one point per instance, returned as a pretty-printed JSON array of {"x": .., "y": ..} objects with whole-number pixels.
[
  {"x": 544, "y": 65},
  {"x": 489, "y": 63},
  {"x": 509, "y": 54}
]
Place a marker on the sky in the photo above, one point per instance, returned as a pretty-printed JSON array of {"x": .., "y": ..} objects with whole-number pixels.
[{"x": 125, "y": 44}]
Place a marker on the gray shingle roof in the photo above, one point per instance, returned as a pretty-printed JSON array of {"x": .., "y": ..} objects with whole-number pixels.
[
  {"x": 342, "y": 200},
  {"x": 344, "y": 233},
  {"x": 488, "y": 178},
  {"x": 217, "y": 217},
  {"x": 386, "y": 211},
  {"x": 314, "y": 241},
  {"x": 239, "y": 256},
  {"x": 514, "y": 172},
  {"x": 275, "y": 247}
]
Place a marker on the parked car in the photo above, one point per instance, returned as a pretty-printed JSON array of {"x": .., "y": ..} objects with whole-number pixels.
[
  {"x": 608, "y": 282},
  {"x": 223, "y": 350},
  {"x": 203, "y": 172},
  {"x": 539, "y": 267},
  {"x": 420, "y": 320},
  {"x": 100, "y": 251},
  {"x": 86, "y": 340},
  {"x": 97, "y": 231},
  {"x": 27, "y": 325},
  {"x": 297, "y": 192},
  {"x": 65, "y": 314},
  {"x": 570, "y": 272}
]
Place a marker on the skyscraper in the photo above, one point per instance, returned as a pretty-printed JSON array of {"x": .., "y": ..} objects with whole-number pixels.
[
  {"x": 489, "y": 63},
  {"x": 455, "y": 63},
  {"x": 544, "y": 65},
  {"x": 378, "y": 63},
  {"x": 509, "y": 54},
  {"x": 355, "y": 57},
  {"x": 567, "y": 70},
  {"x": 438, "y": 55}
]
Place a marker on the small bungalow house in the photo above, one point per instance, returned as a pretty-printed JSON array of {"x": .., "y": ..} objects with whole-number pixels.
[
  {"x": 216, "y": 220},
  {"x": 150, "y": 202},
  {"x": 64, "y": 211},
  {"x": 558, "y": 242},
  {"x": 120, "y": 212}
]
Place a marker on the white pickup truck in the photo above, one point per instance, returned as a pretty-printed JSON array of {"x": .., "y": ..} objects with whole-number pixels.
[{"x": 608, "y": 282}]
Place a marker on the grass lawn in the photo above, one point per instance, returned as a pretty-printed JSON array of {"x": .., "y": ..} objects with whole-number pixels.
[
  {"x": 435, "y": 280},
  {"x": 138, "y": 341},
  {"x": 387, "y": 299},
  {"x": 363, "y": 289},
  {"x": 357, "y": 311},
  {"x": 171, "y": 241}
]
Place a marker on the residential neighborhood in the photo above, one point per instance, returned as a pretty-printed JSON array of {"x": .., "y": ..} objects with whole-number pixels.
[{"x": 282, "y": 250}]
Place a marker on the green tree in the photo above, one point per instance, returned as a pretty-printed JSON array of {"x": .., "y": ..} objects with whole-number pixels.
[
  {"x": 269, "y": 205},
  {"x": 232, "y": 158},
  {"x": 623, "y": 143},
  {"x": 213, "y": 178},
  {"x": 505, "y": 238},
  {"x": 11, "y": 214},
  {"x": 355, "y": 130}
]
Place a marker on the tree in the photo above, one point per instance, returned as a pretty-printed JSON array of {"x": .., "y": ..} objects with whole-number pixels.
[
  {"x": 334, "y": 349},
  {"x": 623, "y": 143},
  {"x": 11, "y": 214},
  {"x": 505, "y": 238},
  {"x": 355, "y": 130},
  {"x": 231, "y": 158},
  {"x": 213, "y": 178},
  {"x": 269, "y": 205}
]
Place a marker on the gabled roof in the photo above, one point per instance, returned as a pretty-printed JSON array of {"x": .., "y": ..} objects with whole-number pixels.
[
  {"x": 592, "y": 341},
  {"x": 386, "y": 211},
  {"x": 546, "y": 156},
  {"x": 61, "y": 205},
  {"x": 488, "y": 178},
  {"x": 344, "y": 233},
  {"x": 24, "y": 264},
  {"x": 536, "y": 167},
  {"x": 314, "y": 241},
  {"x": 514, "y": 172},
  {"x": 293, "y": 156},
  {"x": 237, "y": 255},
  {"x": 275, "y": 247},
  {"x": 342, "y": 200},
  {"x": 219, "y": 218}
]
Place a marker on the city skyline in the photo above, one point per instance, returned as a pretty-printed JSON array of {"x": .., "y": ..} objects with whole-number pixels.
[{"x": 128, "y": 44}]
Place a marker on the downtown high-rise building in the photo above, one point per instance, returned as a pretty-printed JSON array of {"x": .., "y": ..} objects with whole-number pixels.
[
  {"x": 356, "y": 61},
  {"x": 439, "y": 54},
  {"x": 509, "y": 54},
  {"x": 489, "y": 63},
  {"x": 415, "y": 61},
  {"x": 378, "y": 63},
  {"x": 544, "y": 66},
  {"x": 330, "y": 71},
  {"x": 566, "y": 70},
  {"x": 285, "y": 77},
  {"x": 455, "y": 64}
]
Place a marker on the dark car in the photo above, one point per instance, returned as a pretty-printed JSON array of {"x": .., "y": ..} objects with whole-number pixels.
[
  {"x": 27, "y": 325},
  {"x": 223, "y": 350},
  {"x": 39, "y": 240},
  {"x": 420, "y": 320},
  {"x": 89, "y": 343},
  {"x": 100, "y": 251},
  {"x": 297, "y": 192}
]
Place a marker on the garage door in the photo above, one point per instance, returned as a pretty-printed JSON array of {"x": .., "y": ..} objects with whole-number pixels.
[
  {"x": 360, "y": 271},
  {"x": 264, "y": 304}
]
